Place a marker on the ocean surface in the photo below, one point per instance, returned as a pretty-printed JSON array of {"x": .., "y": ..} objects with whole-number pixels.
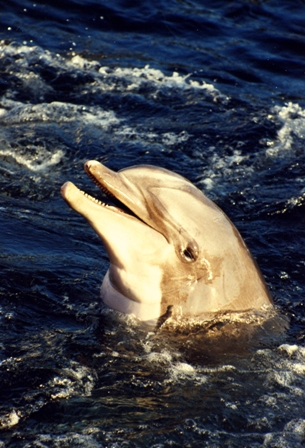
[{"x": 212, "y": 90}]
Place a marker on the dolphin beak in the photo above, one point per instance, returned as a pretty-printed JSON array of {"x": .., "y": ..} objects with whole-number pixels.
[{"x": 117, "y": 226}]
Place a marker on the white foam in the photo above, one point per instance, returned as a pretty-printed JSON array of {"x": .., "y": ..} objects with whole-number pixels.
[
  {"x": 223, "y": 368},
  {"x": 38, "y": 157},
  {"x": 9, "y": 420},
  {"x": 164, "y": 357},
  {"x": 36, "y": 163},
  {"x": 292, "y": 436},
  {"x": 16, "y": 112},
  {"x": 176, "y": 370},
  {"x": 136, "y": 78},
  {"x": 226, "y": 166},
  {"x": 182, "y": 371},
  {"x": 124, "y": 79},
  {"x": 230, "y": 405},
  {"x": 292, "y": 118},
  {"x": 286, "y": 367},
  {"x": 167, "y": 139},
  {"x": 289, "y": 349},
  {"x": 106, "y": 78},
  {"x": 297, "y": 427},
  {"x": 22, "y": 66},
  {"x": 146, "y": 79},
  {"x": 171, "y": 139},
  {"x": 83, "y": 63},
  {"x": 183, "y": 368},
  {"x": 74, "y": 380},
  {"x": 84, "y": 439}
]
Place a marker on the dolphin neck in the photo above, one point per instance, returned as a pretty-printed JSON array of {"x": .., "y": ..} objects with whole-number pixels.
[{"x": 116, "y": 300}]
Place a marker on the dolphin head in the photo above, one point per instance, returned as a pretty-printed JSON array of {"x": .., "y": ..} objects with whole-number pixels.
[{"x": 168, "y": 245}]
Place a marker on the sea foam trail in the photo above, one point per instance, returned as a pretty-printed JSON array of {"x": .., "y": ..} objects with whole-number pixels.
[{"x": 105, "y": 78}]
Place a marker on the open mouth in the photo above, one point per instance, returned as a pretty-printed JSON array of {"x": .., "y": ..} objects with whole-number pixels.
[{"x": 112, "y": 202}]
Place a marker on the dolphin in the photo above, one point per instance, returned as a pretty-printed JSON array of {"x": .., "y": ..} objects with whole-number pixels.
[{"x": 170, "y": 247}]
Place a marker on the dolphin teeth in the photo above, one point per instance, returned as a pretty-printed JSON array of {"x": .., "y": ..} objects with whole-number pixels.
[
  {"x": 118, "y": 208},
  {"x": 97, "y": 201},
  {"x": 100, "y": 185}
]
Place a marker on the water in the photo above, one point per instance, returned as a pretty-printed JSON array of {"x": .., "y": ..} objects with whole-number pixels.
[{"x": 215, "y": 93}]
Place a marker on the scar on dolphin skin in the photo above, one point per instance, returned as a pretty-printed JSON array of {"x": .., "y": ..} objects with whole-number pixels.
[{"x": 169, "y": 245}]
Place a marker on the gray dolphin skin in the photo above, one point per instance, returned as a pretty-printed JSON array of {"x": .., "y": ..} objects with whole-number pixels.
[{"x": 168, "y": 245}]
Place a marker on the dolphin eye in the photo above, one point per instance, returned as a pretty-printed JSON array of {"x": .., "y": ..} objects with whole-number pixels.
[{"x": 190, "y": 254}]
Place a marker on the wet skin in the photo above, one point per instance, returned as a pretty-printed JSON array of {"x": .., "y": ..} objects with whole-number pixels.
[{"x": 168, "y": 245}]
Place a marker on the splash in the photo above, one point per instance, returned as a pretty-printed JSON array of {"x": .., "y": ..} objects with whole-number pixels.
[
  {"x": 292, "y": 120},
  {"x": 36, "y": 159},
  {"x": 153, "y": 79}
]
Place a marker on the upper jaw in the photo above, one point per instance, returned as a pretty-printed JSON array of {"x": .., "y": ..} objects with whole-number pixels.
[
  {"x": 95, "y": 171},
  {"x": 110, "y": 183}
]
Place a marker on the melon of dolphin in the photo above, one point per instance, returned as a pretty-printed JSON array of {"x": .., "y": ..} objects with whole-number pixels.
[{"x": 168, "y": 245}]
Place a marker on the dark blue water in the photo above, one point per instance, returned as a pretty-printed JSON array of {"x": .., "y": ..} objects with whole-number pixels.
[{"x": 214, "y": 91}]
